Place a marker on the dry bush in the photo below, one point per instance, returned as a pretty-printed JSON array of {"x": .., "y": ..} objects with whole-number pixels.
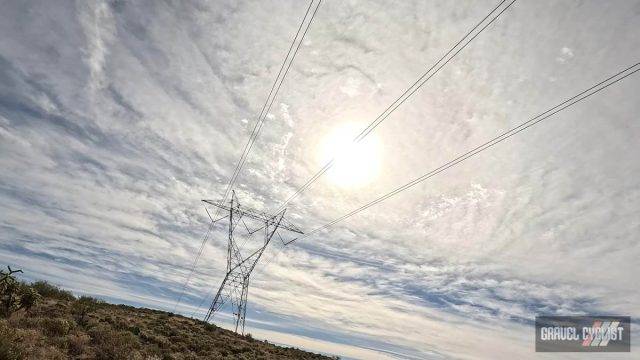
[
  {"x": 78, "y": 344},
  {"x": 30, "y": 341},
  {"x": 9, "y": 343},
  {"x": 55, "y": 326},
  {"x": 46, "y": 352},
  {"x": 113, "y": 344}
]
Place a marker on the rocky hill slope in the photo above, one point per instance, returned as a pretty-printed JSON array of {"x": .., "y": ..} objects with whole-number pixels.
[{"x": 56, "y": 325}]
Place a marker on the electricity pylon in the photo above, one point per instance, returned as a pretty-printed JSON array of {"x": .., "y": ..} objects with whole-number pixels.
[{"x": 235, "y": 285}]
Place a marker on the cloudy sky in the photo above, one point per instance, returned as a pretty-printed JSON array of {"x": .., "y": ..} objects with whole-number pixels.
[{"x": 117, "y": 118}]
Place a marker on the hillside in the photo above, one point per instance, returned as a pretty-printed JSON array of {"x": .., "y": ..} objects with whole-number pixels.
[{"x": 59, "y": 326}]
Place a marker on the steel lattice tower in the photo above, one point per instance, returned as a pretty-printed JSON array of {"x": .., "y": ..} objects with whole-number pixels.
[{"x": 235, "y": 285}]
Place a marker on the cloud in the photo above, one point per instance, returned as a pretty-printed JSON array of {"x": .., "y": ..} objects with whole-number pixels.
[{"x": 98, "y": 24}]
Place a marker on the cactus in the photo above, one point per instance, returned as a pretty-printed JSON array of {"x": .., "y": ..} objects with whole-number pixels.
[{"x": 14, "y": 295}]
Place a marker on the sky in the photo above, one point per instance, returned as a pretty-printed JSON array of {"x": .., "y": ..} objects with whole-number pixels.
[{"x": 117, "y": 118}]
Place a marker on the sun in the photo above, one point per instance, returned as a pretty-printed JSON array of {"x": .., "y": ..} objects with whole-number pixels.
[{"x": 354, "y": 164}]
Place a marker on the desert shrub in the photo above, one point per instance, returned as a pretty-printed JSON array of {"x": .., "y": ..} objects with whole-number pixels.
[
  {"x": 135, "y": 330},
  {"x": 121, "y": 324},
  {"x": 77, "y": 343},
  {"x": 29, "y": 297},
  {"x": 125, "y": 307},
  {"x": 83, "y": 307},
  {"x": 46, "y": 352},
  {"x": 112, "y": 344},
  {"x": 55, "y": 326},
  {"x": 19, "y": 321},
  {"x": 152, "y": 352},
  {"x": 51, "y": 291},
  {"x": 159, "y": 341},
  {"x": 9, "y": 343}
]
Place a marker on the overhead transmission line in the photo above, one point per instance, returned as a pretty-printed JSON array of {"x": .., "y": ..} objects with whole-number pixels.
[
  {"x": 503, "y": 136},
  {"x": 432, "y": 71},
  {"x": 266, "y": 107},
  {"x": 473, "y": 33}
]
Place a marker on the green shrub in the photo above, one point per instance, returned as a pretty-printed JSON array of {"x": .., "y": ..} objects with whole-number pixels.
[
  {"x": 135, "y": 330},
  {"x": 29, "y": 297},
  {"x": 51, "y": 291},
  {"x": 210, "y": 327},
  {"x": 83, "y": 307}
]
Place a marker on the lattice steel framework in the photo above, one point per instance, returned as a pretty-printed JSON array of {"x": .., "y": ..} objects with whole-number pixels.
[{"x": 235, "y": 285}]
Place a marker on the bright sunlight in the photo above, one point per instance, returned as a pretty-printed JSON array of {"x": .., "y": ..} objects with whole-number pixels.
[{"x": 355, "y": 164}]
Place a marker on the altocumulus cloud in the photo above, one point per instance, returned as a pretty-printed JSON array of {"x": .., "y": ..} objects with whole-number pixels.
[{"x": 117, "y": 118}]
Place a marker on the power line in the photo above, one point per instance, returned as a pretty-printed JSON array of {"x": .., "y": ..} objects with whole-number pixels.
[
  {"x": 396, "y": 103},
  {"x": 505, "y": 135},
  {"x": 184, "y": 286},
  {"x": 271, "y": 99},
  {"x": 438, "y": 65},
  {"x": 275, "y": 88}
]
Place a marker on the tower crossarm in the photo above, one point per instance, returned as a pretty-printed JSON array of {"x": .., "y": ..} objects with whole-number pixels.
[{"x": 269, "y": 220}]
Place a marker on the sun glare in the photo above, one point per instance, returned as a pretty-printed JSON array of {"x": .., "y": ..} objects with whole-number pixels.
[{"x": 355, "y": 164}]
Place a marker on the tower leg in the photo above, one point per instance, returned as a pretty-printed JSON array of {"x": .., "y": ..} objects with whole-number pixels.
[
  {"x": 243, "y": 311},
  {"x": 218, "y": 301}
]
